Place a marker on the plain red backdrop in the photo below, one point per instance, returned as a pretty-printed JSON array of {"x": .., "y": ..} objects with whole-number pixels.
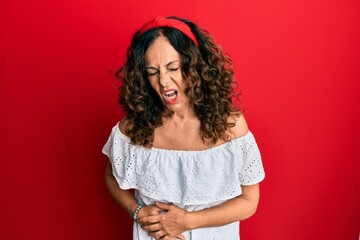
[{"x": 297, "y": 62}]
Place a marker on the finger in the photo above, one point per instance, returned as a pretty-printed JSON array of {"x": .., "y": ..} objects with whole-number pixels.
[
  {"x": 163, "y": 206},
  {"x": 155, "y": 210},
  {"x": 149, "y": 220},
  {"x": 172, "y": 238},
  {"x": 152, "y": 227},
  {"x": 157, "y": 235},
  {"x": 180, "y": 237},
  {"x": 167, "y": 238}
]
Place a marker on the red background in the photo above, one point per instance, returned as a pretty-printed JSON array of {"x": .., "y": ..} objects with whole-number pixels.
[{"x": 297, "y": 62}]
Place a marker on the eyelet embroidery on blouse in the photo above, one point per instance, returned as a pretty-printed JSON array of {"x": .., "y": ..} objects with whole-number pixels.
[
  {"x": 186, "y": 177},
  {"x": 193, "y": 180}
]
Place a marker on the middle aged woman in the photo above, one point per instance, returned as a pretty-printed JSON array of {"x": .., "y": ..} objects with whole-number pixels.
[{"x": 183, "y": 145}]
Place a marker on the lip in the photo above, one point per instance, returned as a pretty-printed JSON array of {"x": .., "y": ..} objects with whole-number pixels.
[
  {"x": 168, "y": 90},
  {"x": 167, "y": 99}
]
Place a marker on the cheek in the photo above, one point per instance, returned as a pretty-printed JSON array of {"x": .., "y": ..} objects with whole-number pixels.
[
  {"x": 177, "y": 76},
  {"x": 180, "y": 81},
  {"x": 154, "y": 85},
  {"x": 151, "y": 81}
]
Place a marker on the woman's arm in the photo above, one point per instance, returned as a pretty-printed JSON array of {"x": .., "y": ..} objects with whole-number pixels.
[
  {"x": 125, "y": 198},
  {"x": 177, "y": 220},
  {"x": 236, "y": 209}
]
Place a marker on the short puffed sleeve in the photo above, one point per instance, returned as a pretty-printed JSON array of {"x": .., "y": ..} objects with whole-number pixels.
[{"x": 251, "y": 169}]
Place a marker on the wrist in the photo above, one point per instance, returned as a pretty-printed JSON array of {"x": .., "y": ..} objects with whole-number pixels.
[
  {"x": 135, "y": 213},
  {"x": 189, "y": 221}
]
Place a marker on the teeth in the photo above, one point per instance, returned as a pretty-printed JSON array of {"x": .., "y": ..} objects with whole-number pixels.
[{"x": 170, "y": 94}]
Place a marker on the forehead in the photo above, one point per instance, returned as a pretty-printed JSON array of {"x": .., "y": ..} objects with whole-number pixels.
[{"x": 161, "y": 52}]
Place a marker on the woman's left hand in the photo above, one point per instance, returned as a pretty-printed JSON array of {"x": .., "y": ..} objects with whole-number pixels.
[{"x": 169, "y": 225}]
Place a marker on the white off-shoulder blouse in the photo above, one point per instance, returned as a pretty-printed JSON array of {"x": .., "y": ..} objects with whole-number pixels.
[{"x": 192, "y": 180}]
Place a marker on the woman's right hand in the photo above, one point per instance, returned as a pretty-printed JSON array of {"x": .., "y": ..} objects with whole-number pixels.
[
  {"x": 149, "y": 210},
  {"x": 153, "y": 210}
]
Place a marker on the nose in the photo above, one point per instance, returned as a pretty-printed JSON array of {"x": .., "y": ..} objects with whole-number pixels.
[{"x": 163, "y": 78}]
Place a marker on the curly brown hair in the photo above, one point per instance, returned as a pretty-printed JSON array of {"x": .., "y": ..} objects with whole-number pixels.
[{"x": 208, "y": 73}]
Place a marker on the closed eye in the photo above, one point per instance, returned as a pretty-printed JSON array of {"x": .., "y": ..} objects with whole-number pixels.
[
  {"x": 152, "y": 71},
  {"x": 173, "y": 69},
  {"x": 152, "y": 74}
]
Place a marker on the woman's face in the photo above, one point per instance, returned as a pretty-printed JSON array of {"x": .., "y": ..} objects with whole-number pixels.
[{"x": 163, "y": 66}]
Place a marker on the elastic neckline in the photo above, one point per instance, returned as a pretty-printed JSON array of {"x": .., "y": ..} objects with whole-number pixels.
[{"x": 223, "y": 145}]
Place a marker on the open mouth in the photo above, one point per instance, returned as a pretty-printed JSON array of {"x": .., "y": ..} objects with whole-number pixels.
[{"x": 170, "y": 96}]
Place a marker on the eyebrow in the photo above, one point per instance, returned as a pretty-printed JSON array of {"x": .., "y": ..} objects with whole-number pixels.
[{"x": 168, "y": 64}]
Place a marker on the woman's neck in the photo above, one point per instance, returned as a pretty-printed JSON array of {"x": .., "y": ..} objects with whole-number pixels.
[{"x": 179, "y": 117}]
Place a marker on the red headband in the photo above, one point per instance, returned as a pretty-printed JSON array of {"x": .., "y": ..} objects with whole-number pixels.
[{"x": 160, "y": 21}]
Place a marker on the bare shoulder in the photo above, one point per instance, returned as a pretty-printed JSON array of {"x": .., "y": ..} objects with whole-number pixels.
[
  {"x": 241, "y": 128},
  {"x": 122, "y": 125}
]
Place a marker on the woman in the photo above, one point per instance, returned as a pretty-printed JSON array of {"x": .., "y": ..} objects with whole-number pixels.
[{"x": 183, "y": 146}]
